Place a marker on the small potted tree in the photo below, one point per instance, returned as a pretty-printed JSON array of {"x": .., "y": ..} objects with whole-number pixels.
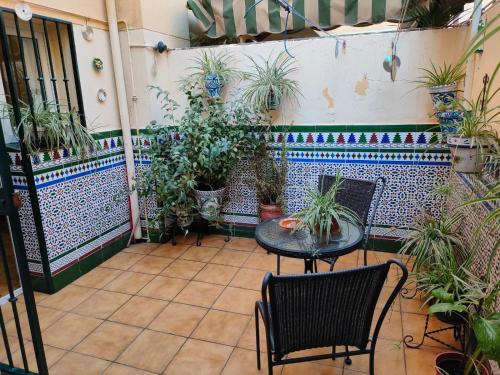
[{"x": 269, "y": 84}]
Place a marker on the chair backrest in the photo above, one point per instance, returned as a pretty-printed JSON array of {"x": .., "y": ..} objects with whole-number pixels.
[
  {"x": 326, "y": 309},
  {"x": 354, "y": 194}
]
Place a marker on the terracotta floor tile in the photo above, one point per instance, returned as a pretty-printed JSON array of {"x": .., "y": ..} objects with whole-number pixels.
[
  {"x": 139, "y": 311},
  {"x": 310, "y": 368},
  {"x": 141, "y": 248},
  {"x": 237, "y": 300},
  {"x": 151, "y": 264},
  {"x": 7, "y": 312},
  {"x": 79, "y": 364},
  {"x": 52, "y": 355},
  {"x": 421, "y": 361},
  {"x": 262, "y": 262},
  {"x": 352, "y": 258},
  {"x": 151, "y": 351},
  {"x": 392, "y": 328},
  {"x": 217, "y": 274},
  {"x": 162, "y": 287},
  {"x": 108, "y": 340},
  {"x": 184, "y": 269},
  {"x": 200, "y": 253},
  {"x": 247, "y": 339},
  {"x": 101, "y": 304},
  {"x": 169, "y": 251},
  {"x": 46, "y": 317},
  {"x": 389, "y": 359},
  {"x": 244, "y": 362},
  {"x": 291, "y": 266},
  {"x": 199, "y": 294},
  {"x": 178, "y": 319},
  {"x": 68, "y": 298},
  {"x": 129, "y": 282},
  {"x": 414, "y": 305},
  {"x": 122, "y": 261},
  {"x": 384, "y": 296},
  {"x": 200, "y": 358},
  {"x": 213, "y": 240},
  {"x": 69, "y": 330},
  {"x": 117, "y": 369},
  {"x": 221, "y": 327},
  {"x": 97, "y": 278},
  {"x": 248, "y": 279},
  {"x": 241, "y": 243},
  {"x": 414, "y": 324},
  {"x": 229, "y": 257}
]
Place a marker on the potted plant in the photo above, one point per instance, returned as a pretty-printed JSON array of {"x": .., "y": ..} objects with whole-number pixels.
[
  {"x": 475, "y": 134},
  {"x": 269, "y": 84},
  {"x": 270, "y": 181},
  {"x": 212, "y": 70},
  {"x": 482, "y": 322},
  {"x": 46, "y": 127},
  {"x": 192, "y": 157},
  {"x": 322, "y": 215}
]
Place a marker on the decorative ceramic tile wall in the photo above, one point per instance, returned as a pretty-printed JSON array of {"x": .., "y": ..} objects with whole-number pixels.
[
  {"x": 412, "y": 158},
  {"x": 83, "y": 202}
]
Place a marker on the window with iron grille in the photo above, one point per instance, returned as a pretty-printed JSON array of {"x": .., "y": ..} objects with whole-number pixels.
[{"x": 42, "y": 54}]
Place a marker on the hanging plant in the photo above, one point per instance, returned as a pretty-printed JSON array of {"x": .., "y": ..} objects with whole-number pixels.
[
  {"x": 269, "y": 84},
  {"x": 98, "y": 64}
]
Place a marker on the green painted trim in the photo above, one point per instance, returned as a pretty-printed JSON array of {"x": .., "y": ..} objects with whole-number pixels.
[
  {"x": 39, "y": 283},
  {"x": 78, "y": 162},
  {"x": 66, "y": 277},
  {"x": 86, "y": 242},
  {"x": 371, "y": 149},
  {"x": 107, "y": 134},
  {"x": 384, "y": 244}
]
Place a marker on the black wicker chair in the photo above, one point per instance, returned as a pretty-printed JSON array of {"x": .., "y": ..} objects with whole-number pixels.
[
  {"x": 358, "y": 196},
  {"x": 323, "y": 310}
]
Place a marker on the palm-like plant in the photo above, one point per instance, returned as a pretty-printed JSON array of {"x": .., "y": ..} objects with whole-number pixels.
[
  {"x": 269, "y": 84},
  {"x": 441, "y": 75},
  {"x": 323, "y": 212}
]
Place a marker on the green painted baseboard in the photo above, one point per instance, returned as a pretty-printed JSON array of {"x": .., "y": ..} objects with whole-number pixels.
[{"x": 70, "y": 274}]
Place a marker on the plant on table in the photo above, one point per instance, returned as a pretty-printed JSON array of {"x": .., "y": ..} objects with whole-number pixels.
[
  {"x": 46, "y": 127},
  {"x": 323, "y": 214},
  {"x": 269, "y": 84},
  {"x": 212, "y": 70}
]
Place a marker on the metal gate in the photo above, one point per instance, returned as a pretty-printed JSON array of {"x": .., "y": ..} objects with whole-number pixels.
[{"x": 15, "y": 339}]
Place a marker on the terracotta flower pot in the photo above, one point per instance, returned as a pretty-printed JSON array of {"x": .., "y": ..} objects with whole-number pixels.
[
  {"x": 334, "y": 229},
  {"x": 449, "y": 363},
  {"x": 269, "y": 211}
]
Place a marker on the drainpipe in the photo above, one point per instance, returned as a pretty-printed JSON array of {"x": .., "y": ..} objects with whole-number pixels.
[{"x": 124, "y": 117}]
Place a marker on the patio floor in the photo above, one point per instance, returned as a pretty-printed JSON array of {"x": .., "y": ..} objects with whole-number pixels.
[{"x": 184, "y": 309}]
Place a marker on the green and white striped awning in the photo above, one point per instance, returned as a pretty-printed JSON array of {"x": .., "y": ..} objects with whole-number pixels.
[{"x": 227, "y": 17}]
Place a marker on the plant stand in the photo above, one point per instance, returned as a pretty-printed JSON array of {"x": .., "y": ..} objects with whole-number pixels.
[
  {"x": 201, "y": 227},
  {"x": 458, "y": 334}
]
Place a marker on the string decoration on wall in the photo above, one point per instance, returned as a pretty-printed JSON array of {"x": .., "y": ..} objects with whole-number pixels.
[{"x": 290, "y": 9}]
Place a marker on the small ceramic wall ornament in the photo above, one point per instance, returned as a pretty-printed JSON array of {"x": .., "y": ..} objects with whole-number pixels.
[
  {"x": 98, "y": 64},
  {"x": 102, "y": 95}
]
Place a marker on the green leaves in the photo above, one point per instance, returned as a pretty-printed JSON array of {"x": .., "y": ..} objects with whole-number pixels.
[{"x": 487, "y": 332}]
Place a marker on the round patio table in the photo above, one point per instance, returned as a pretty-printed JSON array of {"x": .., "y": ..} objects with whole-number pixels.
[{"x": 301, "y": 244}]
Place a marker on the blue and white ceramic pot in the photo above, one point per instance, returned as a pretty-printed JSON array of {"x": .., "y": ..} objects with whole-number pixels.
[
  {"x": 466, "y": 154},
  {"x": 443, "y": 97},
  {"x": 214, "y": 84},
  {"x": 209, "y": 202},
  {"x": 273, "y": 102},
  {"x": 449, "y": 121}
]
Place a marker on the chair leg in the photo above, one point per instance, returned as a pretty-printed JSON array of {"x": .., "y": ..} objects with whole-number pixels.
[
  {"x": 348, "y": 360},
  {"x": 365, "y": 256},
  {"x": 257, "y": 335},
  {"x": 372, "y": 361},
  {"x": 269, "y": 362},
  {"x": 278, "y": 264},
  {"x": 332, "y": 263},
  {"x": 334, "y": 350}
]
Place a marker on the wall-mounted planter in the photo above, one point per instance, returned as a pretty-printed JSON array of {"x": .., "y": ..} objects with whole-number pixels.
[
  {"x": 449, "y": 121},
  {"x": 273, "y": 102},
  {"x": 466, "y": 155},
  {"x": 443, "y": 95},
  {"x": 214, "y": 84}
]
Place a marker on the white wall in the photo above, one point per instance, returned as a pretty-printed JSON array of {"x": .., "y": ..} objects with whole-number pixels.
[{"x": 352, "y": 89}]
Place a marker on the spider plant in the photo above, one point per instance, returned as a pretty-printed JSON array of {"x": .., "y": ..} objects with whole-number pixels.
[
  {"x": 323, "y": 212},
  {"x": 217, "y": 63},
  {"x": 53, "y": 128},
  {"x": 441, "y": 75},
  {"x": 269, "y": 84}
]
